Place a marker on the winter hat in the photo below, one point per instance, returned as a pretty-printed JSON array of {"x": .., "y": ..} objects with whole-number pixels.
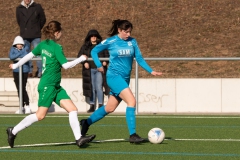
[{"x": 18, "y": 40}]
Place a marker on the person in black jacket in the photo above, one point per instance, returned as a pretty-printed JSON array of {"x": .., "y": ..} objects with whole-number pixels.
[
  {"x": 31, "y": 19},
  {"x": 93, "y": 80}
]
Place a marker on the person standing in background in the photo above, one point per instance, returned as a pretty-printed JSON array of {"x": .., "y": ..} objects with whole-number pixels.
[
  {"x": 18, "y": 50},
  {"x": 93, "y": 80},
  {"x": 31, "y": 19}
]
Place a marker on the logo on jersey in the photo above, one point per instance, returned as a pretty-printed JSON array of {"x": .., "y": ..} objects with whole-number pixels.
[
  {"x": 124, "y": 53},
  {"x": 103, "y": 41},
  {"x": 129, "y": 43},
  {"x": 46, "y": 53}
]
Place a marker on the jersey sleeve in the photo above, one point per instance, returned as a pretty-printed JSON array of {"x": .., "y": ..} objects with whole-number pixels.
[
  {"x": 37, "y": 50},
  {"x": 97, "y": 49},
  {"x": 60, "y": 55},
  {"x": 140, "y": 60}
]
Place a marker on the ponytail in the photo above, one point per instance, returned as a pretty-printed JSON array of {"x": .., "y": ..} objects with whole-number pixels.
[{"x": 122, "y": 24}]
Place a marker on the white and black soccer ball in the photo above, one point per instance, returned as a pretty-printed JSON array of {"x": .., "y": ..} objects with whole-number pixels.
[{"x": 156, "y": 135}]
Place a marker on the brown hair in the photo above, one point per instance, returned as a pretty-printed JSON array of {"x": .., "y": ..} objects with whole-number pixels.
[
  {"x": 118, "y": 23},
  {"x": 51, "y": 28}
]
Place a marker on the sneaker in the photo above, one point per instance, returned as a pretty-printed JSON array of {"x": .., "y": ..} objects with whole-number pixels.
[
  {"x": 134, "y": 138},
  {"x": 85, "y": 139},
  {"x": 28, "y": 110},
  {"x": 84, "y": 126},
  {"x": 11, "y": 136},
  {"x": 18, "y": 111}
]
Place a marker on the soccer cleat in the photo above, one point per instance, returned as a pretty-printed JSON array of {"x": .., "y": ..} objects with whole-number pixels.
[
  {"x": 84, "y": 126},
  {"x": 134, "y": 138},
  {"x": 11, "y": 136},
  {"x": 85, "y": 139}
]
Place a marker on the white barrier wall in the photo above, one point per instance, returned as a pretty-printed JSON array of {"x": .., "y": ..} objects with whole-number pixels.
[{"x": 156, "y": 95}]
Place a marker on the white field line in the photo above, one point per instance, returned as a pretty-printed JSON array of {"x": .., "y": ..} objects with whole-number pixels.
[
  {"x": 116, "y": 140},
  {"x": 64, "y": 143},
  {"x": 138, "y": 116},
  {"x": 220, "y": 140}
]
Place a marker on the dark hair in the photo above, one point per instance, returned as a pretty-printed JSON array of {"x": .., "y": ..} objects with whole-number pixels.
[
  {"x": 122, "y": 24},
  {"x": 87, "y": 41},
  {"x": 51, "y": 28}
]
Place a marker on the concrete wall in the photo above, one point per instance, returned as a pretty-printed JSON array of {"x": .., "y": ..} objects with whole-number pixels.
[{"x": 156, "y": 95}]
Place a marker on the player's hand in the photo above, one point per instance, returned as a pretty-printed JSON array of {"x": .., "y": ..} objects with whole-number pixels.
[
  {"x": 156, "y": 73},
  {"x": 101, "y": 69},
  {"x": 86, "y": 57},
  {"x": 11, "y": 66}
]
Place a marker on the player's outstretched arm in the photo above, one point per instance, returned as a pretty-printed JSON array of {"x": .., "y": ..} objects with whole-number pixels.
[
  {"x": 26, "y": 58},
  {"x": 74, "y": 62},
  {"x": 156, "y": 73}
]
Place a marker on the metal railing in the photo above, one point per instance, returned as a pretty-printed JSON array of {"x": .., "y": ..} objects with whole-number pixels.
[{"x": 136, "y": 70}]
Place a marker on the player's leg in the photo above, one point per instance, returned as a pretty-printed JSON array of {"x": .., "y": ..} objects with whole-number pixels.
[
  {"x": 112, "y": 103},
  {"x": 127, "y": 96},
  {"x": 26, "y": 122},
  {"x": 45, "y": 99},
  {"x": 100, "y": 113},
  {"x": 66, "y": 103}
]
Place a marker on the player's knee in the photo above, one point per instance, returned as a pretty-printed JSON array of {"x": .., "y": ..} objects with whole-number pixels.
[
  {"x": 40, "y": 117},
  {"x": 109, "y": 110},
  {"x": 132, "y": 103}
]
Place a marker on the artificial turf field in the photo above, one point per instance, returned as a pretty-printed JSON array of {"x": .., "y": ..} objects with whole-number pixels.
[{"x": 187, "y": 137}]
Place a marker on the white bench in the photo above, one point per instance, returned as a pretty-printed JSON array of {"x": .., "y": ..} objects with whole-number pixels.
[{"x": 9, "y": 98}]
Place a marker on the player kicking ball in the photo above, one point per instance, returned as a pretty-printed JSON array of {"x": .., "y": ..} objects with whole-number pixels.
[{"x": 122, "y": 50}]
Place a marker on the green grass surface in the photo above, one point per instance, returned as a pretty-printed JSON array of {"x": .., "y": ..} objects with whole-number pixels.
[{"x": 187, "y": 137}]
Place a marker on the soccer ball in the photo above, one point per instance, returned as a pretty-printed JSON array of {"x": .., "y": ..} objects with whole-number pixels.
[{"x": 156, "y": 135}]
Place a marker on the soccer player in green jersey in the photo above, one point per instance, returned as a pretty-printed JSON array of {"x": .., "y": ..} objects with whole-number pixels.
[{"x": 49, "y": 89}]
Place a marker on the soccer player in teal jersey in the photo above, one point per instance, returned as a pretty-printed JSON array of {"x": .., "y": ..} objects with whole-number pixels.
[
  {"x": 122, "y": 50},
  {"x": 49, "y": 89}
]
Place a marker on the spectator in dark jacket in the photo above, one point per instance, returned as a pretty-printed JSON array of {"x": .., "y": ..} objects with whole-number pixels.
[
  {"x": 93, "y": 80},
  {"x": 31, "y": 19}
]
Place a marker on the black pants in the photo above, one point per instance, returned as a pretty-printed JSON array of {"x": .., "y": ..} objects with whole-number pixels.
[{"x": 25, "y": 100}]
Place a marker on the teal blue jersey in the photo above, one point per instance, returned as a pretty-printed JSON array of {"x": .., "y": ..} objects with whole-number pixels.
[{"x": 121, "y": 57}]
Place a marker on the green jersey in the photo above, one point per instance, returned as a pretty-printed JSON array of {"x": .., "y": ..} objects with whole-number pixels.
[{"x": 52, "y": 59}]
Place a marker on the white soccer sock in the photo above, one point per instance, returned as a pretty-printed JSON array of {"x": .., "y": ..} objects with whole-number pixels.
[
  {"x": 26, "y": 122},
  {"x": 74, "y": 123}
]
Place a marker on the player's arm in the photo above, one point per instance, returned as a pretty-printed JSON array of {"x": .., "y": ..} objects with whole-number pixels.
[
  {"x": 26, "y": 58},
  {"x": 95, "y": 51},
  {"x": 73, "y": 63},
  {"x": 140, "y": 60}
]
